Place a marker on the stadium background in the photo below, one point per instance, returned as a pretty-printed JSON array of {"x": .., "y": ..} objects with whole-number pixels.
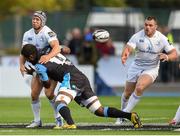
[{"x": 12, "y": 84}]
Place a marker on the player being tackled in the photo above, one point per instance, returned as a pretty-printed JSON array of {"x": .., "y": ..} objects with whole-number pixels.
[{"x": 74, "y": 86}]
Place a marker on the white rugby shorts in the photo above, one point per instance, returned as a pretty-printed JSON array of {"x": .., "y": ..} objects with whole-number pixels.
[{"x": 135, "y": 71}]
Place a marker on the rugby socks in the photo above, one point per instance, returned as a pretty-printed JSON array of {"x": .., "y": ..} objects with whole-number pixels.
[
  {"x": 124, "y": 102},
  {"x": 65, "y": 113},
  {"x": 56, "y": 113},
  {"x": 177, "y": 116},
  {"x": 133, "y": 100},
  {"x": 115, "y": 113},
  {"x": 36, "y": 105}
]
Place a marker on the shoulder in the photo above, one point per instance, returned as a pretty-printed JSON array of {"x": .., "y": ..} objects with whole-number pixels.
[
  {"x": 48, "y": 31},
  {"x": 160, "y": 35},
  {"x": 139, "y": 34},
  {"x": 30, "y": 31}
]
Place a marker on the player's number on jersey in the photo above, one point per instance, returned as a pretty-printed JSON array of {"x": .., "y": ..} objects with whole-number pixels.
[{"x": 59, "y": 59}]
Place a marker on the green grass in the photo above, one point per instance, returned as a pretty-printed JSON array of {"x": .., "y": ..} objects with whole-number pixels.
[{"x": 150, "y": 109}]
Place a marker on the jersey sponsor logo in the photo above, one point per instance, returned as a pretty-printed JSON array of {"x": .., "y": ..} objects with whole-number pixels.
[
  {"x": 141, "y": 40},
  {"x": 29, "y": 38},
  {"x": 51, "y": 34}
]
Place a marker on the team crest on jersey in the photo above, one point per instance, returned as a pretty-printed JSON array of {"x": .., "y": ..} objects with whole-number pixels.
[{"x": 51, "y": 34}]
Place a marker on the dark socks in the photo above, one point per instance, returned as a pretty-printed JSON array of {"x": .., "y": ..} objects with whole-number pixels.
[
  {"x": 115, "y": 113},
  {"x": 66, "y": 114}
]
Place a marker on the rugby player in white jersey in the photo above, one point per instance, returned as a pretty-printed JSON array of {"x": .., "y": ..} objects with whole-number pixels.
[
  {"x": 148, "y": 44},
  {"x": 47, "y": 44}
]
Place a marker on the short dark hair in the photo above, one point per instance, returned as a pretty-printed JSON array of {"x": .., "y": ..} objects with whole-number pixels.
[
  {"x": 152, "y": 18},
  {"x": 28, "y": 50}
]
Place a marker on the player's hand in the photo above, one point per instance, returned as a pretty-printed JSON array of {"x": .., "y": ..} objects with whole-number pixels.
[
  {"x": 22, "y": 69},
  {"x": 44, "y": 59},
  {"x": 123, "y": 59},
  {"x": 163, "y": 57},
  {"x": 29, "y": 70},
  {"x": 65, "y": 50}
]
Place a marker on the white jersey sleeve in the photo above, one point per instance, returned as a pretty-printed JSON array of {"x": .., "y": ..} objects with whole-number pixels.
[
  {"x": 25, "y": 38},
  {"x": 49, "y": 34},
  {"x": 133, "y": 40},
  {"x": 167, "y": 46}
]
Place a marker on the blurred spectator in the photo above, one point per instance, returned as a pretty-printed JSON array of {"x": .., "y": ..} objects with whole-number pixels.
[
  {"x": 105, "y": 49},
  {"x": 167, "y": 68},
  {"x": 76, "y": 41},
  {"x": 88, "y": 51}
]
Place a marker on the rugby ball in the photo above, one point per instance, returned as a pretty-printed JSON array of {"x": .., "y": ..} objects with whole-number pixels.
[{"x": 101, "y": 35}]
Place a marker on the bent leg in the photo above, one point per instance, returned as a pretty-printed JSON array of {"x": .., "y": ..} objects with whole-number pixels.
[
  {"x": 51, "y": 96},
  {"x": 129, "y": 88},
  {"x": 64, "y": 97},
  {"x": 143, "y": 82},
  {"x": 97, "y": 109}
]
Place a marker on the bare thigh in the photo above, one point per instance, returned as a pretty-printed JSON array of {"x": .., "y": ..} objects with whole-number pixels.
[
  {"x": 50, "y": 91},
  {"x": 144, "y": 81},
  {"x": 36, "y": 87}
]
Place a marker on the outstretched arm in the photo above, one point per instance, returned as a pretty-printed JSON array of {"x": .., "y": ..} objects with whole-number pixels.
[{"x": 125, "y": 53}]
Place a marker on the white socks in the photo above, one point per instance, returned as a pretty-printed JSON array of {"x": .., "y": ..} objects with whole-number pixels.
[
  {"x": 177, "y": 116},
  {"x": 56, "y": 113},
  {"x": 133, "y": 100},
  {"x": 36, "y": 105}
]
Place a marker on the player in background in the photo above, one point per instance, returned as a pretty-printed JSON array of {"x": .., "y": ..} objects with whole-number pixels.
[
  {"x": 149, "y": 44},
  {"x": 74, "y": 85},
  {"x": 176, "y": 120},
  {"x": 47, "y": 44}
]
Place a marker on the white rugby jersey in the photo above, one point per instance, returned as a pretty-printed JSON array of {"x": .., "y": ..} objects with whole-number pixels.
[
  {"x": 147, "y": 49},
  {"x": 40, "y": 40}
]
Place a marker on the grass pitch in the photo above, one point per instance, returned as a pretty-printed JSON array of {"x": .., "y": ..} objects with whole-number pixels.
[{"x": 155, "y": 112}]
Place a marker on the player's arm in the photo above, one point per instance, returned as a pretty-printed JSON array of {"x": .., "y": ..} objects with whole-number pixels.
[
  {"x": 21, "y": 64},
  {"x": 41, "y": 70},
  {"x": 171, "y": 53},
  {"x": 125, "y": 53},
  {"x": 170, "y": 56},
  {"x": 54, "y": 51}
]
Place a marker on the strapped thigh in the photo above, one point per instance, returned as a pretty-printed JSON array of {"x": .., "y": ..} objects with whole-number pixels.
[
  {"x": 66, "y": 95},
  {"x": 92, "y": 103}
]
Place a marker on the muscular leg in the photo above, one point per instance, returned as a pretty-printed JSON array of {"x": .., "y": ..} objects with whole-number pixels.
[
  {"x": 129, "y": 88},
  {"x": 143, "y": 82},
  {"x": 95, "y": 107},
  {"x": 51, "y": 96},
  {"x": 36, "y": 88}
]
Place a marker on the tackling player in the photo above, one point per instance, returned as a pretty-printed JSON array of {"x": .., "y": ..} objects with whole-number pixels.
[
  {"x": 47, "y": 44},
  {"x": 74, "y": 85}
]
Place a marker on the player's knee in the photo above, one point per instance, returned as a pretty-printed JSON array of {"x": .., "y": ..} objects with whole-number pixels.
[
  {"x": 34, "y": 96},
  {"x": 139, "y": 90},
  {"x": 99, "y": 112},
  {"x": 49, "y": 94}
]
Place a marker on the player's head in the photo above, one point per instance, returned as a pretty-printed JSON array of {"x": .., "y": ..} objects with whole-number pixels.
[
  {"x": 39, "y": 19},
  {"x": 150, "y": 26},
  {"x": 30, "y": 53}
]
